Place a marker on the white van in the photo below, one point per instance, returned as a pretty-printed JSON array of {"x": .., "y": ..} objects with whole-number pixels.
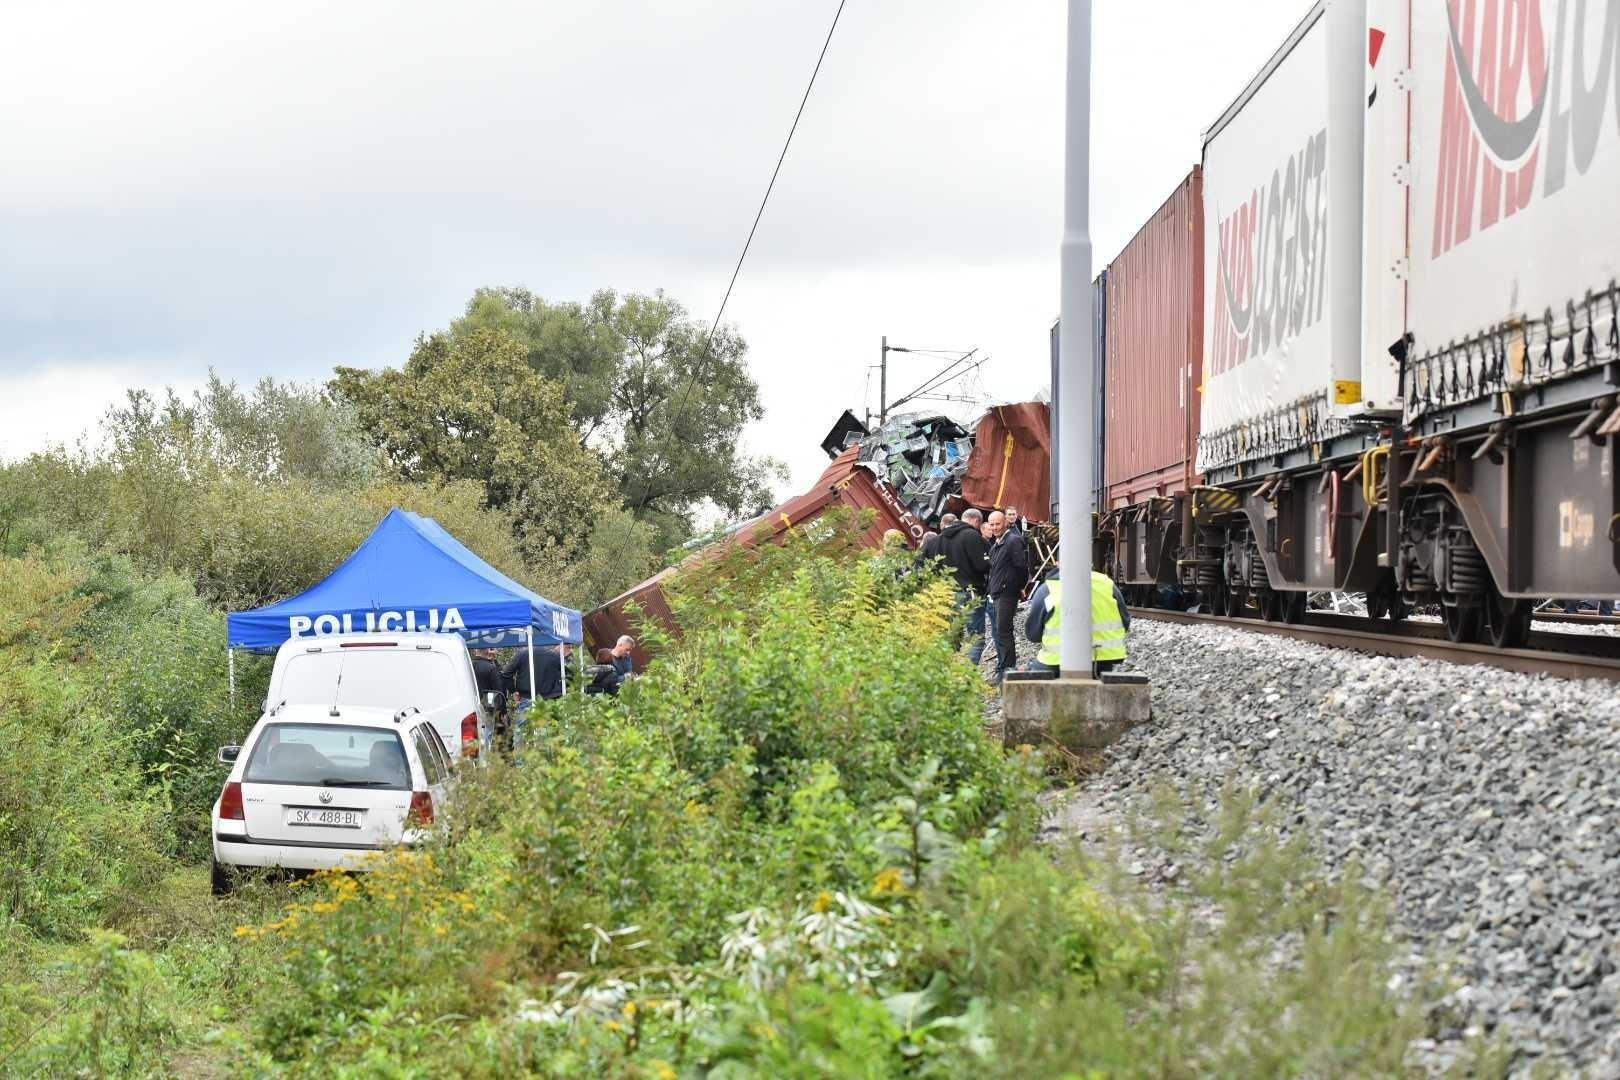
[{"x": 429, "y": 672}]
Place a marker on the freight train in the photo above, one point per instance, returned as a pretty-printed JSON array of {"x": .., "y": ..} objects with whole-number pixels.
[{"x": 1372, "y": 342}]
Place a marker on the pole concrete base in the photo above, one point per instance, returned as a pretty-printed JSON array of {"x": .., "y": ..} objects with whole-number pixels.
[{"x": 1077, "y": 714}]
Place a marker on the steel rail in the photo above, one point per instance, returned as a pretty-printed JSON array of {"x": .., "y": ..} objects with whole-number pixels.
[
  {"x": 1576, "y": 618},
  {"x": 1426, "y": 640}
]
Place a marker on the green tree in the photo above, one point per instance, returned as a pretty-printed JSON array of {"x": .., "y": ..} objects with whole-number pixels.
[
  {"x": 664, "y": 403},
  {"x": 469, "y": 407},
  {"x": 277, "y": 431}
]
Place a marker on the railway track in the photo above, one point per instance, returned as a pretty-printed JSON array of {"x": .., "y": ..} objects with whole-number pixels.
[{"x": 1564, "y": 656}]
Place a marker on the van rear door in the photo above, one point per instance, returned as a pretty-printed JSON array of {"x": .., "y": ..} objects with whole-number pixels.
[{"x": 384, "y": 674}]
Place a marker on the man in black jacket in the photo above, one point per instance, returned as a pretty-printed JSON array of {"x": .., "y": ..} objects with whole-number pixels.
[
  {"x": 547, "y": 672},
  {"x": 1009, "y": 573},
  {"x": 487, "y": 671},
  {"x": 963, "y": 550}
]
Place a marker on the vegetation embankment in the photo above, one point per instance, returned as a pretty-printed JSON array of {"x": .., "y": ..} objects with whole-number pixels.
[{"x": 788, "y": 849}]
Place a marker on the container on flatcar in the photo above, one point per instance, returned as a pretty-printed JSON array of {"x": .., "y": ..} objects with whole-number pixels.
[
  {"x": 1284, "y": 366},
  {"x": 1099, "y": 417},
  {"x": 1515, "y": 198},
  {"x": 1154, "y": 346}
]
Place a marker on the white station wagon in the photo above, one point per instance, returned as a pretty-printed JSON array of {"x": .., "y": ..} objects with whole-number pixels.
[{"x": 320, "y": 787}]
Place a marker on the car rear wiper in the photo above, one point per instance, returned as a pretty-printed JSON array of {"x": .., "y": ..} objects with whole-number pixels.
[{"x": 339, "y": 781}]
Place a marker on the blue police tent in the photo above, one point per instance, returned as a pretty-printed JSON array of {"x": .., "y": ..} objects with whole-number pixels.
[{"x": 410, "y": 575}]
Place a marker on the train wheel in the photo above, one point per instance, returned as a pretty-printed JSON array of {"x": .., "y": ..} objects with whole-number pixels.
[
  {"x": 1271, "y": 605},
  {"x": 1506, "y": 622},
  {"x": 1293, "y": 606},
  {"x": 1462, "y": 623}
]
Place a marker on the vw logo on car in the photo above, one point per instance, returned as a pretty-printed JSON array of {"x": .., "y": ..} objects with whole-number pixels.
[{"x": 325, "y": 797}]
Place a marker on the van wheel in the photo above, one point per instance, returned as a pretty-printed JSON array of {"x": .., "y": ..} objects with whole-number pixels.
[{"x": 220, "y": 880}]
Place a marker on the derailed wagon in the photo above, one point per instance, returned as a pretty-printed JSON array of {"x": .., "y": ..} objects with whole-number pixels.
[{"x": 844, "y": 483}]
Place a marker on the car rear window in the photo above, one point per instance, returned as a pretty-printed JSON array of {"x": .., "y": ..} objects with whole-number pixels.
[
  {"x": 328, "y": 755},
  {"x": 387, "y": 678}
]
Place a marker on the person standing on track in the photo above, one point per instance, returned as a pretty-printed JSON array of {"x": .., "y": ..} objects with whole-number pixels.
[{"x": 1009, "y": 573}]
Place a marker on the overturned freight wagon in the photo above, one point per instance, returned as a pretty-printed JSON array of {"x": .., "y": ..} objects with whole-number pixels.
[
  {"x": 1011, "y": 461},
  {"x": 844, "y": 483}
]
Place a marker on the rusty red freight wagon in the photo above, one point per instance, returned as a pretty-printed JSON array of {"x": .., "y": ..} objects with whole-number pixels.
[
  {"x": 1153, "y": 361},
  {"x": 1011, "y": 461},
  {"x": 844, "y": 483}
]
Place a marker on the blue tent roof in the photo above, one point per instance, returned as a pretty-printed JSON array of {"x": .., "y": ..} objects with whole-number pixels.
[{"x": 410, "y": 574}]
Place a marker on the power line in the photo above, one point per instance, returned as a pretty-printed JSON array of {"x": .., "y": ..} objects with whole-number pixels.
[{"x": 708, "y": 343}]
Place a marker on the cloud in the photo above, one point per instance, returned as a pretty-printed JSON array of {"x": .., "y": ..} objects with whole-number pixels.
[
  {"x": 274, "y": 189},
  {"x": 61, "y": 403}
]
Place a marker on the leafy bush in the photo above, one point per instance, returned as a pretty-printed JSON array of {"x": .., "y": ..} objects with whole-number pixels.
[
  {"x": 79, "y": 829},
  {"x": 841, "y": 663}
]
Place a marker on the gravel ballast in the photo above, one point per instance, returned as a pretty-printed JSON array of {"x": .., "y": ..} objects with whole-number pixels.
[{"x": 1483, "y": 801}]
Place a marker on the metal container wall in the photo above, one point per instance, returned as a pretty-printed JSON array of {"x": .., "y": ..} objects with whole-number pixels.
[
  {"x": 1012, "y": 460},
  {"x": 1515, "y": 232},
  {"x": 1153, "y": 345},
  {"x": 843, "y": 484},
  {"x": 1099, "y": 415},
  {"x": 1052, "y": 463},
  {"x": 1099, "y": 372}
]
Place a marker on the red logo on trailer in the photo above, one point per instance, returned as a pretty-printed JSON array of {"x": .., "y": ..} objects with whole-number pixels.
[
  {"x": 1496, "y": 66},
  {"x": 1271, "y": 260},
  {"x": 1507, "y": 98}
]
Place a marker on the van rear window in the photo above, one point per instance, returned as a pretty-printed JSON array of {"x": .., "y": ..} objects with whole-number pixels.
[
  {"x": 385, "y": 678},
  {"x": 328, "y": 755}
]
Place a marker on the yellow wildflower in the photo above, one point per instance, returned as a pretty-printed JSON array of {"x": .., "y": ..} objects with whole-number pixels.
[
  {"x": 663, "y": 1070},
  {"x": 244, "y": 931},
  {"x": 613, "y": 1025},
  {"x": 323, "y": 907},
  {"x": 889, "y": 881},
  {"x": 823, "y": 902},
  {"x": 441, "y": 930},
  {"x": 630, "y": 1010}
]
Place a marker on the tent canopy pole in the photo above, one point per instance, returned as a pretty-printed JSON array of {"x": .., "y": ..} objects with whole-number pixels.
[
  {"x": 529, "y": 633},
  {"x": 230, "y": 668}
]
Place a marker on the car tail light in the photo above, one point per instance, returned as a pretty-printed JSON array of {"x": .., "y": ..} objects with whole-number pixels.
[
  {"x": 421, "y": 812},
  {"x": 469, "y": 734},
  {"x": 230, "y": 802}
]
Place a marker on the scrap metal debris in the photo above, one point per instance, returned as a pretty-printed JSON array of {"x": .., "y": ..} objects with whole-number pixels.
[{"x": 923, "y": 457}]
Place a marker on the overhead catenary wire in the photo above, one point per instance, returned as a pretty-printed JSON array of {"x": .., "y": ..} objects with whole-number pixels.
[
  {"x": 941, "y": 377},
  {"x": 708, "y": 342}
]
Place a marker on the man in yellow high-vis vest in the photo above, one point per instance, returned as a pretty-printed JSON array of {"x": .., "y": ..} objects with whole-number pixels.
[{"x": 1109, "y": 622}]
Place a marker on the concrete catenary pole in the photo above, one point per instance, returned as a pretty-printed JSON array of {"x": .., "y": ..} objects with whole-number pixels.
[{"x": 1075, "y": 358}]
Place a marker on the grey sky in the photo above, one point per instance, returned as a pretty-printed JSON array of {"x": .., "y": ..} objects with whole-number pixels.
[{"x": 275, "y": 189}]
